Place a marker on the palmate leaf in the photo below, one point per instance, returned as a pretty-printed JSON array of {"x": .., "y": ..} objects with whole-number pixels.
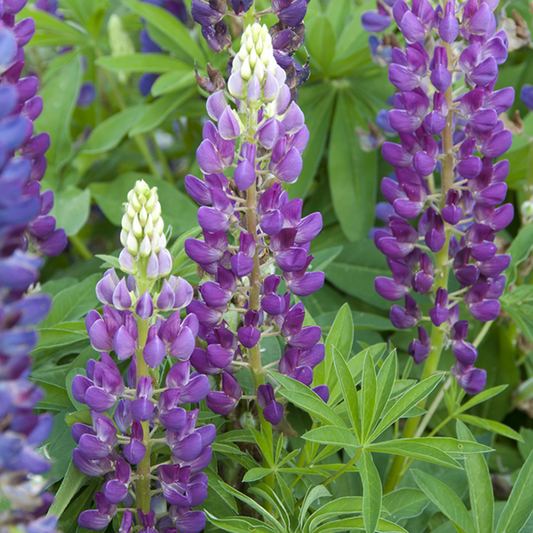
[
  {"x": 306, "y": 399},
  {"x": 448, "y": 503},
  {"x": 267, "y": 494},
  {"x": 491, "y": 425},
  {"x": 332, "y": 436},
  {"x": 385, "y": 383},
  {"x": 355, "y": 366},
  {"x": 406, "y": 403}
]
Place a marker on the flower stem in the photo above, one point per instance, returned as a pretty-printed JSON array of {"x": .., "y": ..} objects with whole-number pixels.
[
  {"x": 142, "y": 485},
  {"x": 441, "y": 281}
]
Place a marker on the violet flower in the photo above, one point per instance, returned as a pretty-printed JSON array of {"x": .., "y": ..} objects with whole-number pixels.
[
  {"x": 456, "y": 133},
  {"x": 131, "y": 325},
  {"x": 24, "y": 222},
  {"x": 263, "y": 138}
]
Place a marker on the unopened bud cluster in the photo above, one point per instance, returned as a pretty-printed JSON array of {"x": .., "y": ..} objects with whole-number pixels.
[
  {"x": 124, "y": 416},
  {"x": 262, "y": 138},
  {"x": 143, "y": 234}
]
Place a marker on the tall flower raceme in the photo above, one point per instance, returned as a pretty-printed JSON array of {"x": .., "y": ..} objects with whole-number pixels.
[
  {"x": 137, "y": 425},
  {"x": 24, "y": 220},
  {"x": 250, "y": 227},
  {"x": 453, "y": 132},
  {"x": 287, "y": 34}
]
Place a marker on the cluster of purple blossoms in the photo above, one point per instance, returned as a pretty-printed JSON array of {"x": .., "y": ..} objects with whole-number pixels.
[
  {"x": 250, "y": 227},
  {"x": 287, "y": 34},
  {"x": 141, "y": 322},
  {"x": 177, "y": 9},
  {"x": 24, "y": 221},
  {"x": 446, "y": 115}
]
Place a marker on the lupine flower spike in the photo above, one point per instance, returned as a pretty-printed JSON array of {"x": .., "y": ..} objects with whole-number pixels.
[
  {"x": 260, "y": 132},
  {"x": 132, "y": 326},
  {"x": 24, "y": 223},
  {"x": 446, "y": 114}
]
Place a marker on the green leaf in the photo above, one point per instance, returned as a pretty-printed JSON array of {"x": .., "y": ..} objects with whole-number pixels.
[
  {"x": 254, "y": 505},
  {"x": 346, "y": 524},
  {"x": 51, "y": 31},
  {"x": 70, "y": 485},
  {"x": 307, "y": 399},
  {"x": 61, "y": 335},
  {"x": 349, "y": 392},
  {"x": 71, "y": 209},
  {"x": 451, "y": 445},
  {"x": 109, "y": 133},
  {"x": 519, "y": 250},
  {"x": 256, "y": 473},
  {"x": 340, "y": 336},
  {"x": 335, "y": 508},
  {"x": 321, "y": 41},
  {"x": 59, "y": 95},
  {"x": 368, "y": 393},
  {"x": 73, "y": 302},
  {"x": 355, "y": 270},
  {"x": 520, "y": 502},
  {"x": 110, "y": 261},
  {"x": 156, "y": 112},
  {"x": 448, "y": 503},
  {"x": 240, "y": 525},
  {"x": 491, "y": 425},
  {"x": 415, "y": 450},
  {"x": 172, "y": 81},
  {"x": 352, "y": 173},
  {"x": 157, "y": 63},
  {"x": 178, "y": 209},
  {"x": 405, "y": 503},
  {"x": 171, "y": 27},
  {"x": 267, "y": 494},
  {"x": 312, "y": 496},
  {"x": 332, "y": 435},
  {"x": 406, "y": 403},
  {"x": 355, "y": 365},
  {"x": 317, "y": 104},
  {"x": 479, "y": 484},
  {"x": 481, "y": 397},
  {"x": 385, "y": 384},
  {"x": 371, "y": 491}
]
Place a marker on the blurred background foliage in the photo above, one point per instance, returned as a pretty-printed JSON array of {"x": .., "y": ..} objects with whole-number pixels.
[{"x": 101, "y": 147}]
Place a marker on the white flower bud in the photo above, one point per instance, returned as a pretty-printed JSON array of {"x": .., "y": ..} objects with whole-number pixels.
[
  {"x": 143, "y": 216},
  {"x": 149, "y": 226},
  {"x": 246, "y": 71},
  {"x": 145, "y": 249},
  {"x": 136, "y": 227},
  {"x": 159, "y": 226},
  {"x": 126, "y": 222},
  {"x": 123, "y": 237},
  {"x": 131, "y": 243}
]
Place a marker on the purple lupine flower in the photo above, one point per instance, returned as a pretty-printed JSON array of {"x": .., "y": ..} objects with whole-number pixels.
[
  {"x": 460, "y": 221},
  {"x": 24, "y": 221},
  {"x": 130, "y": 326},
  {"x": 526, "y": 94}
]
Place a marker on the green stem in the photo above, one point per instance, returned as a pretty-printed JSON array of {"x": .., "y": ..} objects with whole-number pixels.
[
  {"x": 142, "y": 484},
  {"x": 80, "y": 247},
  {"x": 338, "y": 473},
  {"x": 441, "y": 281}
]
